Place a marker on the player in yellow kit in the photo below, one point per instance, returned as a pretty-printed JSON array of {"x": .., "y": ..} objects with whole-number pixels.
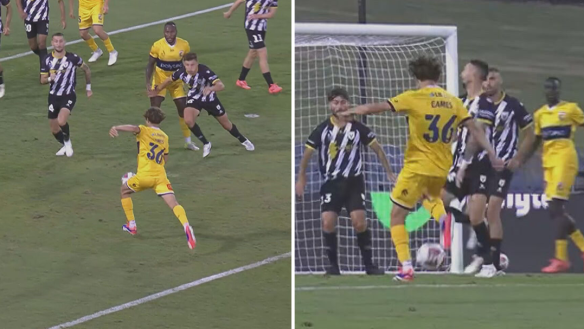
[
  {"x": 555, "y": 125},
  {"x": 153, "y": 152},
  {"x": 166, "y": 57},
  {"x": 433, "y": 116},
  {"x": 91, "y": 15}
]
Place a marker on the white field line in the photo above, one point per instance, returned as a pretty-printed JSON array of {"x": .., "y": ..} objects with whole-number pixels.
[
  {"x": 440, "y": 286},
  {"x": 171, "y": 291},
  {"x": 131, "y": 28}
]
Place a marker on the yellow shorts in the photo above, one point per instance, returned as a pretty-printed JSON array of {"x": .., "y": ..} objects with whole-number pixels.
[
  {"x": 91, "y": 15},
  {"x": 559, "y": 181},
  {"x": 160, "y": 184},
  {"x": 175, "y": 89},
  {"x": 411, "y": 187}
]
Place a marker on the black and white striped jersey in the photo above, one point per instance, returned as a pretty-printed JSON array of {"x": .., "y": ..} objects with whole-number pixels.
[
  {"x": 65, "y": 69},
  {"x": 482, "y": 109},
  {"x": 339, "y": 148},
  {"x": 258, "y": 7},
  {"x": 36, "y": 10},
  {"x": 203, "y": 78},
  {"x": 510, "y": 117}
]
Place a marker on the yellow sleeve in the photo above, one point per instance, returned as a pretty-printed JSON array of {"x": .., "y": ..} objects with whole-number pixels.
[
  {"x": 139, "y": 134},
  {"x": 154, "y": 50},
  {"x": 577, "y": 115},
  {"x": 536, "y": 123},
  {"x": 401, "y": 102}
]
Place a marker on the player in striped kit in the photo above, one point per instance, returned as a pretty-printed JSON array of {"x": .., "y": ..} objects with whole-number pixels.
[
  {"x": 257, "y": 13},
  {"x": 339, "y": 142},
  {"x": 6, "y": 30},
  {"x": 59, "y": 69},
  {"x": 35, "y": 14}
]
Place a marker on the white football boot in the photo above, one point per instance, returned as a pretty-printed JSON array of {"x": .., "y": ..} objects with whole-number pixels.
[
  {"x": 487, "y": 271},
  {"x": 113, "y": 58},
  {"x": 474, "y": 266},
  {"x": 248, "y": 145},
  {"x": 206, "y": 149},
  {"x": 68, "y": 148},
  {"x": 95, "y": 55},
  {"x": 61, "y": 152}
]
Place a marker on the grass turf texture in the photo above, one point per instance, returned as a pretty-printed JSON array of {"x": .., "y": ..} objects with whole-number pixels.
[{"x": 63, "y": 252}]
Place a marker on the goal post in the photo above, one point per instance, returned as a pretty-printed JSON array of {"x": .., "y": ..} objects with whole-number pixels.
[{"x": 371, "y": 62}]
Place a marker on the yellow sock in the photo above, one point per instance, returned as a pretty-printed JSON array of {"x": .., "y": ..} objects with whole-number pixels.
[
  {"x": 180, "y": 213},
  {"x": 128, "y": 206},
  {"x": 91, "y": 43},
  {"x": 578, "y": 239},
  {"x": 435, "y": 207},
  {"x": 562, "y": 249},
  {"x": 184, "y": 128},
  {"x": 400, "y": 238},
  {"x": 108, "y": 44}
]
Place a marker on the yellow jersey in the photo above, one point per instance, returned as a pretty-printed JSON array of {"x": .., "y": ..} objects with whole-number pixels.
[
  {"x": 89, "y": 3},
  {"x": 433, "y": 116},
  {"x": 169, "y": 58},
  {"x": 152, "y": 146},
  {"x": 557, "y": 126}
]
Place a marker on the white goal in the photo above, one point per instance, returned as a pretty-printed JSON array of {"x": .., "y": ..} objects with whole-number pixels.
[{"x": 371, "y": 62}]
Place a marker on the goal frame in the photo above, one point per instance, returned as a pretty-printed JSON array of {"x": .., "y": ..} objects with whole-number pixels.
[{"x": 450, "y": 35}]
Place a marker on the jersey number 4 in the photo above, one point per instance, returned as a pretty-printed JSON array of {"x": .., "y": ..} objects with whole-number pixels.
[
  {"x": 152, "y": 155},
  {"x": 435, "y": 133}
]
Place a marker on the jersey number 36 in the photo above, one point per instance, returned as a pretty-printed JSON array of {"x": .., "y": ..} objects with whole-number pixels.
[
  {"x": 152, "y": 155},
  {"x": 435, "y": 133}
]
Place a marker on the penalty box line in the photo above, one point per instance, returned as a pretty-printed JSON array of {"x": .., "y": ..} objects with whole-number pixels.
[
  {"x": 172, "y": 291},
  {"x": 131, "y": 28}
]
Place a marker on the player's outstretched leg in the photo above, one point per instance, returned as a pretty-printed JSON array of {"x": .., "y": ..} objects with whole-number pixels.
[
  {"x": 329, "y": 232},
  {"x": 364, "y": 242},
  {"x": 128, "y": 207},
  {"x": 113, "y": 54},
  {"x": 180, "y": 213},
  {"x": 181, "y": 103},
  {"x": 232, "y": 129},
  {"x": 2, "y": 90},
  {"x": 273, "y": 88},
  {"x": 566, "y": 227},
  {"x": 247, "y": 63},
  {"x": 62, "y": 121},
  {"x": 400, "y": 239},
  {"x": 436, "y": 209},
  {"x": 190, "y": 117}
]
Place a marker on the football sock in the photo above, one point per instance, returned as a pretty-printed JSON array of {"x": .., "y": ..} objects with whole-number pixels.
[
  {"x": 459, "y": 216},
  {"x": 184, "y": 128},
  {"x": 92, "y": 44},
  {"x": 128, "y": 206},
  {"x": 235, "y": 133},
  {"x": 435, "y": 208},
  {"x": 268, "y": 77},
  {"x": 562, "y": 250},
  {"x": 199, "y": 134},
  {"x": 65, "y": 130},
  {"x": 496, "y": 249},
  {"x": 108, "y": 44},
  {"x": 484, "y": 246},
  {"x": 59, "y": 137},
  {"x": 36, "y": 51},
  {"x": 364, "y": 242},
  {"x": 400, "y": 239},
  {"x": 330, "y": 241},
  {"x": 244, "y": 72},
  {"x": 578, "y": 239},
  {"x": 1, "y": 77},
  {"x": 180, "y": 213}
]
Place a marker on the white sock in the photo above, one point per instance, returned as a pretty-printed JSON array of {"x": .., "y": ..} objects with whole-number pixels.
[
  {"x": 407, "y": 265},
  {"x": 132, "y": 224},
  {"x": 188, "y": 140}
]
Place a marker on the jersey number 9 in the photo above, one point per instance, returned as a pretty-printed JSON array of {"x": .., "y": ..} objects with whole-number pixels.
[
  {"x": 152, "y": 155},
  {"x": 435, "y": 133}
]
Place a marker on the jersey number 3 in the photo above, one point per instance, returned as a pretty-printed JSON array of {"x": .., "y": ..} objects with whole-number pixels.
[
  {"x": 435, "y": 133},
  {"x": 152, "y": 155}
]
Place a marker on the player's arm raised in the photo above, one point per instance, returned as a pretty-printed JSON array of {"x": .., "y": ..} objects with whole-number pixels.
[
  {"x": 233, "y": 7},
  {"x": 63, "y": 17},
  {"x": 376, "y": 147},
  {"x": 87, "y": 73},
  {"x": 301, "y": 183},
  {"x": 8, "y": 19},
  {"x": 129, "y": 128},
  {"x": 372, "y": 108}
]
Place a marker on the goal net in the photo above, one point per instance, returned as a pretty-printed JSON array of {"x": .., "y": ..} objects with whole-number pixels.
[{"x": 371, "y": 63}]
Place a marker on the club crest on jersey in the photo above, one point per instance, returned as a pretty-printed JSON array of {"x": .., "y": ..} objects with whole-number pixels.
[
  {"x": 180, "y": 53},
  {"x": 99, "y": 16},
  {"x": 351, "y": 135},
  {"x": 504, "y": 115},
  {"x": 562, "y": 115}
]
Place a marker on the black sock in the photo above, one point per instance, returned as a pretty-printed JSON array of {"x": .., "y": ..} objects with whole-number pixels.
[
  {"x": 484, "y": 245},
  {"x": 364, "y": 242},
  {"x": 42, "y": 55},
  {"x": 496, "y": 249},
  {"x": 196, "y": 130},
  {"x": 59, "y": 136},
  {"x": 235, "y": 133},
  {"x": 459, "y": 216},
  {"x": 1, "y": 77},
  {"x": 268, "y": 77},
  {"x": 36, "y": 51},
  {"x": 330, "y": 242},
  {"x": 65, "y": 130},
  {"x": 244, "y": 72}
]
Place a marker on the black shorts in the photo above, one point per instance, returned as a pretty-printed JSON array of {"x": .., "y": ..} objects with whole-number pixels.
[
  {"x": 56, "y": 103},
  {"x": 35, "y": 28},
  {"x": 343, "y": 192},
  {"x": 256, "y": 39},
  {"x": 499, "y": 182},
  {"x": 477, "y": 179},
  {"x": 214, "y": 107}
]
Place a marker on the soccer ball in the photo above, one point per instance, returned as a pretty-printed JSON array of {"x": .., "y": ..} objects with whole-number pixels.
[
  {"x": 430, "y": 256},
  {"x": 504, "y": 261},
  {"x": 127, "y": 176}
]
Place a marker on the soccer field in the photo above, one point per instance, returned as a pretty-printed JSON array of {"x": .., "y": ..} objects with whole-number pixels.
[{"x": 62, "y": 251}]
